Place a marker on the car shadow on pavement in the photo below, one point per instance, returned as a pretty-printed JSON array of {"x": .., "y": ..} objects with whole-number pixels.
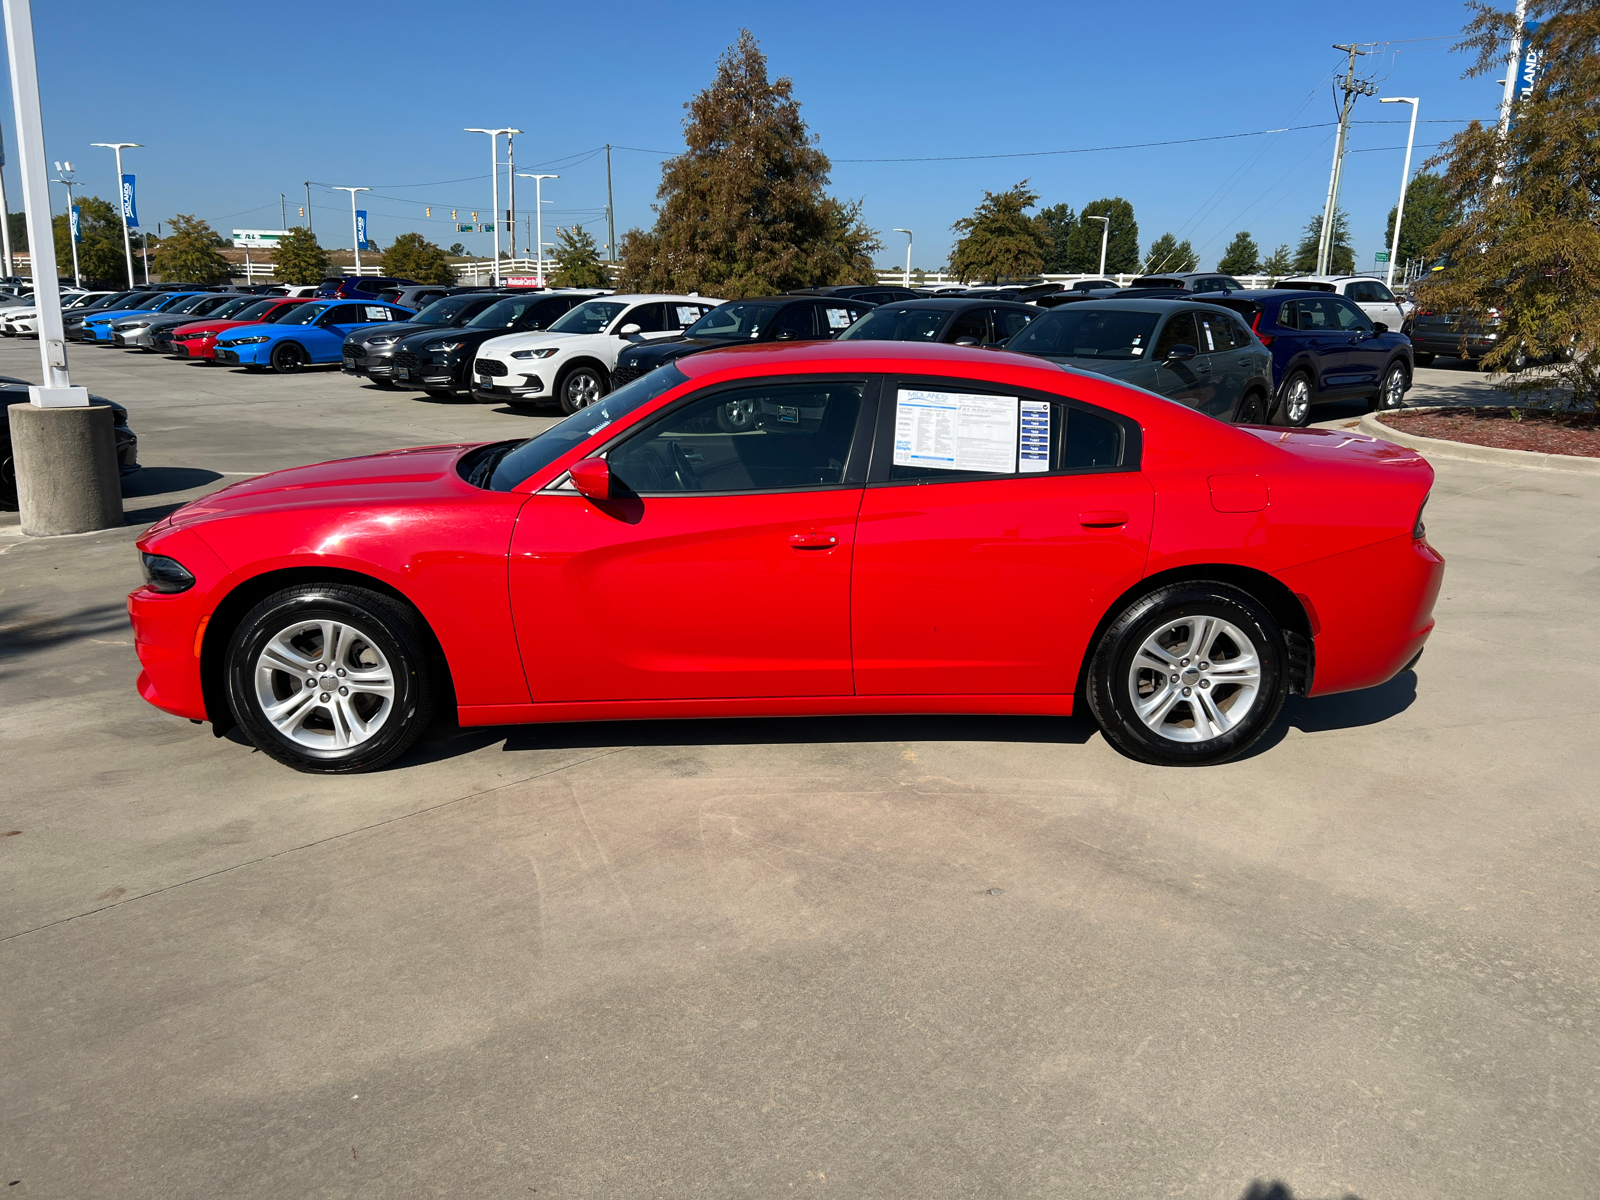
[
  {"x": 1277, "y": 1190},
  {"x": 158, "y": 481},
  {"x": 1346, "y": 710},
  {"x": 24, "y": 632}
]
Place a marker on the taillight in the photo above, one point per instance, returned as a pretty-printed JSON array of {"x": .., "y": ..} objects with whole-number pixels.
[
  {"x": 1494, "y": 314},
  {"x": 1423, "y": 312},
  {"x": 1255, "y": 327}
]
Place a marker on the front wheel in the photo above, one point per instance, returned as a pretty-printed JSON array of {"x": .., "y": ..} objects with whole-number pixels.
[
  {"x": 288, "y": 358},
  {"x": 581, "y": 387},
  {"x": 330, "y": 678},
  {"x": 1294, "y": 401},
  {"x": 1393, "y": 392},
  {"x": 1188, "y": 675}
]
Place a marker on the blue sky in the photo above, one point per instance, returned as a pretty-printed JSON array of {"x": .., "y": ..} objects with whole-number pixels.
[{"x": 236, "y": 103}]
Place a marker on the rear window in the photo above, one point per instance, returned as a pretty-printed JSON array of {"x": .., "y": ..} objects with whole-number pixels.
[
  {"x": 1081, "y": 331},
  {"x": 893, "y": 323}
]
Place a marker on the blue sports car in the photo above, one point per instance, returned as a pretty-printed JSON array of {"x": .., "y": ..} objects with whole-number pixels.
[
  {"x": 97, "y": 327},
  {"x": 312, "y": 333}
]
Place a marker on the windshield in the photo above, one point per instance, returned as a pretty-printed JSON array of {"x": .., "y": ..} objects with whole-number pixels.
[
  {"x": 592, "y": 317},
  {"x": 1078, "y": 331},
  {"x": 177, "y": 303},
  {"x": 138, "y": 300},
  {"x": 502, "y": 314},
  {"x": 238, "y": 304},
  {"x": 739, "y": 319},
  {"x": 446, "y": 310},
  {"x": 249, "y": 312},
  {"x": 896, "y": 324},
  {"x": 304, "y": 314},
  {"x": 524, "y": 458}
]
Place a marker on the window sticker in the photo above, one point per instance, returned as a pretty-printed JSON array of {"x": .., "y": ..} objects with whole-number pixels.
[
  {"x": 1211, "y": 343},
  {"x": 1033, "y": 449},
  {"x": 377, "y": 314},
  {"x": 956, "y": 431},
  {"x": 838, "y": 318},
  {"x": 688, "y": 314}
]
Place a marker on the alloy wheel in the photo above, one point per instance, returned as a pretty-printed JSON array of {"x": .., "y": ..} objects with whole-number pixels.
[
  {"x": 582, "y": 389},
  {"x": 1195, "y": 679},
  {"x": 324, "y": 684},
  {"x": 1297, "y": 401},
  {"x": 1394, "y": 388}
]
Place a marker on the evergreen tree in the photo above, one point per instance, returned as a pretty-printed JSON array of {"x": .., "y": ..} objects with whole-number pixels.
[
  {"x": 19, "y": 230},
  {"x": 743, "y": 210},
  {"x": 1430, "y": 211},
  {"x": 189, "y": 253},
  {"x": 1278, "y": 265},
  {"x": 578, "y": 260},
  {"x": 1058, "y": 221},
  {"x": 999, "y": 241},
  {"x": 1122, "y": 238},
  {"x": 100, "y": 254},
  {"x": 1341, "y": 258},
  {"x": 1169, "y": 256},
  {"x": 1242, "y": 256},
  {"x": 457, "y": 250},
  {"x": 1528, "y": 239},
  {"x": 413, "y": 256},
  {"x": 299, "y": 259}
]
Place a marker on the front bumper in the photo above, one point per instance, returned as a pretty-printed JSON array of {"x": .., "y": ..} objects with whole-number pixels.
[
  {"x": 132, "y": 339},
  {"x": 244, "y": 356},
  {"x": 168, "y": 630},
  {"x": 515, "y": 385}
]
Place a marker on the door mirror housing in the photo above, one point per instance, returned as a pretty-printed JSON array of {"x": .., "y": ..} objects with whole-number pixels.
[
  {"x": 1181, "y": 353},
  {"x": 592, "y": 477},
  {"x": 966, "y": 341},
  {"x": 629, "y": 329},
  {"x": 1379, "y": 327}
]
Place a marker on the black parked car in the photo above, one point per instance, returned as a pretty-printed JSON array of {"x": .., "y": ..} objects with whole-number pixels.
[
  {"x": 791, "y": 318},
  {"x": 439, "y": 361},
  {"x": 370, "y": 350},
  {"x": 1200, "y": 355},
  {"x": 954, "y": 319},
  {"x": 878, "y": 293},
  {"x": 15, "y": 391}
]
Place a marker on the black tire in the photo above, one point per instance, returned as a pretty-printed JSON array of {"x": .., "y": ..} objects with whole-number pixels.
[
  {"x": 1252, "y": 410},
  {"x": 380, "y": 629},
  {"x": 1115, "y": 681},
  {"x": 385, "y": 382},
  {"x": 581, "y": 386},
  {"x": 1422, "y": 358},
  {"x": 1292, "y": 405},
  {"x": 8, "y": 484},
  {"x": 1392, "y": 391},
  {"x": 288, "y": 357}
]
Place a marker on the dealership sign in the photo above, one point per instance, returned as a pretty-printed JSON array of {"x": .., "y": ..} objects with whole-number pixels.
[{"x": 259, "y": 239}]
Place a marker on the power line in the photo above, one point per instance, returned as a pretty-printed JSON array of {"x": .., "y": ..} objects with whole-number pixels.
[{"x": 1218, "y": 137}]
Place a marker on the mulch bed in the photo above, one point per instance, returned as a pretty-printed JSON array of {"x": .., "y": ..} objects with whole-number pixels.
[{"x": 1541, "y": 431}]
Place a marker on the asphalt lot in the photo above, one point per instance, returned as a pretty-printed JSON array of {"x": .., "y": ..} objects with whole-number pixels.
[{"x": 865, "y": 957}]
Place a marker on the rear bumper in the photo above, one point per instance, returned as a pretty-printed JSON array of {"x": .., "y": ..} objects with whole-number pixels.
[
  {"x": 1448, "y": 345},
  {"x": 1374, "y": 607}
]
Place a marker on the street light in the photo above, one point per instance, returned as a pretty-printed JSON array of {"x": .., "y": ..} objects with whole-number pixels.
[
  {"x": 538, "y": 220},
  {"x": 127, "y": 241},
  {"x": 494, "y": 172},
  {"x": 65, "y": 171},
  {"x": 910, "y": 237},
  {"x": 355, "y": 224},
  {"x": 1105, "y": 233},
  {"x": 1405, "y": 182}
]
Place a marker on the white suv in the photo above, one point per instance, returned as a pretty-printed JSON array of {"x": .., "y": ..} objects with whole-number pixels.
[
  {"x": 571, "y": 362},
  {"x": 1371, "y": 296}
]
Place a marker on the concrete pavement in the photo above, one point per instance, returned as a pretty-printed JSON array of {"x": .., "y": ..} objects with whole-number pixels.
[{"x": 874, "y": 957}]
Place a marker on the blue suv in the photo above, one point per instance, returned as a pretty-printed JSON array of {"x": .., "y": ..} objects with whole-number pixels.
[
  {"x": 1323, "y": 348},
  {"x": 359, "y": 287}
]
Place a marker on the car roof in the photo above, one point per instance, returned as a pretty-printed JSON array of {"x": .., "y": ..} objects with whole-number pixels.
[
  {"x": 637, "y": 297},
  {"x": 1155, "y": 304},
  {"x": 956, "y": 303}
]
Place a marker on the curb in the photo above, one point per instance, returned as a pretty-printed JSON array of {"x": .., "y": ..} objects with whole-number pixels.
[{"x": 1535, "y": 459}]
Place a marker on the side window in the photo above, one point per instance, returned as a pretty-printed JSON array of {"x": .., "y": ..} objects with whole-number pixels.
[
  {"x": 1318, "y": 316},
  {"x": 1348, "y": 316},
  {"x": 1008, "y": 322},
  {"x": 1214, "y": 333},
  {"x": 798, "y": 322},
  {"x": 762, "y": 437},
  {"x": 343, "y": 314},
  {"x": 974, "y": 324},
  {"x": 539, "y": 316},
  {"x": 1289, "y": 315},
  {"x": 1358, "y": 292},
  {"x": 838, "y": 317},
  {"x": 650, "y": 318},
  {"x": 1180, "y": 330},
  {"x": 1380, "y": 293},
  {"x": 681, "y": 316},
  {"x": 947, "y": 435}
]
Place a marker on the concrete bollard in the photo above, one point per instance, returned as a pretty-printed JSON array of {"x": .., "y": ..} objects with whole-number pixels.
[{"x": 66, "y": 460}]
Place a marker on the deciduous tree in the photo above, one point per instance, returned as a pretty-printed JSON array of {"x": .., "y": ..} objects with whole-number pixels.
[
  {"x": 1122, "y": 240},
  {"x": 299, "y": 259},
  {"x": 1429, "y": 212},
  {"x": 100, "y": 254},
  {"x": 743, "y": 211},
  {"x": 1242, "y": 256},
  {"x": 189, "y": 253},
  {"x": 412, "y": 256},
  {"x": 578, "y": 260},
  {"x": 999, "y": 241},
  {"x": 1341, "y": 258}
]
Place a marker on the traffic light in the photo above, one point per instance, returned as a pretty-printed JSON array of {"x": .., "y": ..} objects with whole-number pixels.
[
  {"x": 429, "y": 211},
  {"x": 302, "y": 212},
  {"x": 474, "y": 216},
  {"x": 452, "y": 214}
]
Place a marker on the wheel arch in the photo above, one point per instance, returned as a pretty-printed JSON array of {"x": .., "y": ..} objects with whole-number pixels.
[
  {"x": 583, "y": 360},
  {"x": 1270, "y": 592},
  {"x": 232, "y": 609}
]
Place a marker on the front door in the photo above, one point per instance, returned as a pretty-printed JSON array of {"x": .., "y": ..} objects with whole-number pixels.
[
  {"x": 1322, "y": 332},
  {"x": 722, "y": 571},
  {"x": 1367, "y": 354},
  {"x": 1187, "y": 381},
  {"x": 1224, "y": 341},
  {"x": 987, "y": 575}
]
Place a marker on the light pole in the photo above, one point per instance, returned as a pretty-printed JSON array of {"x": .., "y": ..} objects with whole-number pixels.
[
  {"x": 127, "y": 241},
  {"x": 910, "y": 237},
  {"x": 538, "y": 221},
  {"x": 355, "y": 225},
  {"x": 65, "y": 171},
  {"x": 1105, "y": 234},
  {"x": 5, "y": 219},
  {"x": 1405, "y": 182},
  {"x": 308, "y": 207},
  {"x": 494, "y": 173}
]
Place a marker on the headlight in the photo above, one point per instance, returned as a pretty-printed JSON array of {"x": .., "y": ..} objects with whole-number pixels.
[
  {"x": 442, "y": 347},
  {"x": 249, "y": 341},
  {"x": 164, "y": 574},
  {"x": 542, "y": 352},
  {"x": 382, "y": 341}
]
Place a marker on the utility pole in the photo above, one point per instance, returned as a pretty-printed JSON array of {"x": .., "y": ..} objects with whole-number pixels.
[
  {"x": 611, "y": 224},
  {"x": 283, "y": 211},
  {"x": 1508, "y": 97},
  {"x": 122, "y": 202},
  {"x": 1352, "y": 87},
  {"x": 308, "y": 207},
  {"x": 5, "y": 217}
]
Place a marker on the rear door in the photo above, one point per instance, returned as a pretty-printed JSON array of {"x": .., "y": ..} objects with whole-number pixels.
[
  {"x": 724, "y": 573},
  {"x": 1327, "y": 341},
  {"x": 796, "y": 323},
  {"x": 1186, "y": 382},
  {"x": 996, "y": 527},
  {"x": 1222, "y": 342}
]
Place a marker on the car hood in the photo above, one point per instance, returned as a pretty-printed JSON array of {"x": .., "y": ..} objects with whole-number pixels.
[
  {"x": 522, "y": 341},
  {"x": 256, "y": 330},
  {"x": 652, "y": 354},
  {"x": 394, "y": 329},
  {"x": 203, "y": 325},
  {"x": 1113, "y": 367},
  {"x": 461, "y": 333},
  {"x": 375, "y": 481}
]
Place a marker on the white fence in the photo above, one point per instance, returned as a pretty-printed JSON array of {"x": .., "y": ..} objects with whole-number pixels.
[{"x": 935, "y": 278}]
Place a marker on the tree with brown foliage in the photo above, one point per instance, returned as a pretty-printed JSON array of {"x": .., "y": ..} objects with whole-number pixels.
[
  {"x": 999, "y": 241},
  {"x": 743, "y": 211},
  {"x": 1527, "y": 242}
]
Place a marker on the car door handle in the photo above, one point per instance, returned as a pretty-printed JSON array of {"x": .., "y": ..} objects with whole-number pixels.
[
  {"x": 1106, "y": 518},
  {"x": 813, "y": 541},
  {"x": 1244, "y": 362}
]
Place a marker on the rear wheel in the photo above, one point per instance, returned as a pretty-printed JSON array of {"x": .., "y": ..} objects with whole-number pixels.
[
  {"x": 1393, "y": 392},
  {"x": 330, "y": 678},
  {"x": 8, "y": 483},
  {"x": 580, "y": 387},
  {"x": 288, "y": 357},
  {"x": 1294, "y": 401},
  {"x": 1188, "y": 675},
  {"x": 1252, "y": 410}
]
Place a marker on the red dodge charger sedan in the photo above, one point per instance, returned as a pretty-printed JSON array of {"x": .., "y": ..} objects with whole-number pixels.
[{"x": 855, "y": 527}]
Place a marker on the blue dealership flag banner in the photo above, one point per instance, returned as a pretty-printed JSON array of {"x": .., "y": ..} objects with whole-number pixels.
[
  {"x": 77, "y": 216},
  {"x": 129, "y": 209},
  {"x": 361, "y": 229}
]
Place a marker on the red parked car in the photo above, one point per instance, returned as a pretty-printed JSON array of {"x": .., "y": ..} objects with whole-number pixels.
[
  {"x": 839, "y": 527},
  {"x": 198, "y": 339}
]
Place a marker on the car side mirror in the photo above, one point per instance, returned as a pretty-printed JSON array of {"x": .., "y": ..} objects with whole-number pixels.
[
  {"x": 1181, "y": 353},
  {"x": 966, "y": 341},
  {"x": 628, "y": 330},
  {"x": 786, "y": 335},
  {"x": 1379, "y": 327},
  {"x": 592, "y": 477}
]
